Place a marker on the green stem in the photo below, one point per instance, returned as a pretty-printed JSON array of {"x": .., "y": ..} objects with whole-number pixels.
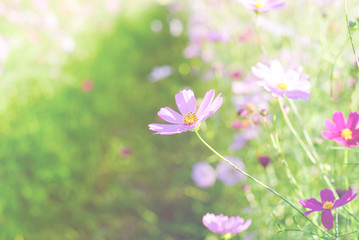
[
  {"x": 277, "y": 146},
  {"x": 306, "y": 150},
  {"x": 306, "y": 134},
  {"x": 258, "y": 182},
  {"x": 353, "y": 48}
]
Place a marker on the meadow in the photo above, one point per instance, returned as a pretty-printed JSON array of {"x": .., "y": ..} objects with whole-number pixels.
[{"x": 82, "y": 86}]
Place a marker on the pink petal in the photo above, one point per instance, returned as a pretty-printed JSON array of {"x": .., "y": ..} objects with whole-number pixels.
[
  {"x": 327, "y": 219},
  {"x": 205, "y": 103},
  {"x": 169, "y": 129},
  {"x": 215, "y": 105},
  {"x": 339, "y": 120},
  {"x": 330, "y": 135},
  {"x": 327, "y": 196},
  {"x": 328, "y": 124},
  {"x": 353, "y": 120},
  {"x": 169, "y": 115},
  {"x": 312, "y": 204},
  {"x": 347, "y": 197},
  {"x": 186, "y": 101}
]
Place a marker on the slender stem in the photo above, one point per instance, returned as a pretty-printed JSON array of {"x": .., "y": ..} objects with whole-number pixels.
[
  {"x": 353, "y": 48},
  {"x": 306, "y": 150},
  {"x": 306, "y": 134},
  {"x": 258, "y": 182},
  {"x": 277, "y": 146},
  {"x": 336, "y": 223},
  {"x": 345, "y": 168}
]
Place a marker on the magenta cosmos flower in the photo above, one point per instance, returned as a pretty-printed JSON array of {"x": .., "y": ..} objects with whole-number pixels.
[
  {"x": 280, "y": 82},
  {"x": 342, "y": 132},
  {"x": 222, "y": 224},
  {"x": 327, "y": 205},
  {"x": 203, "y": 174},
  {"x": 262, "y": 5},
  {"x": 190, "y": 116}
]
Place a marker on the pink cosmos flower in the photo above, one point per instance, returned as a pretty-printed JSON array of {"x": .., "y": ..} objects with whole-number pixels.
[
  {"x": 342, "y": 132},
  {"x": 262, "y": 5},
  {"x": 190, "y": 117},
  {"x": 281, "y": 82},
  {"x": 223, "y": 224},
  {"x": 327, "y": 205}
]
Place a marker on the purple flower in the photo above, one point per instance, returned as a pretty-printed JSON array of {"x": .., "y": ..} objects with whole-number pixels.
[
  {"x": 342, "y": 132},
  {"x": 229, "y": 175},
  {"x": 223, "y": 224},
  {"x": 264, "y": 160},
  {"x": 203, "y": 175},
  {"x": 280, "y": 82},
  {"x": 190, "y": 117},
  {"x": 327, "y": 205},
  {"x": 262, "y": 5}
]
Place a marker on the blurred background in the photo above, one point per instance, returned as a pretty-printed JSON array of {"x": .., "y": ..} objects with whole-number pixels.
[{"x": 81, "y": 80}]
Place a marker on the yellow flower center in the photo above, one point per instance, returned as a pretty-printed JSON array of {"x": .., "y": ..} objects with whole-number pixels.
[
  {"x": 328, "y": 205},
  {"x": 282, "y": 86},
  {"x": 346, "y": 134},
  {"x": 190, "y": 118},
  {"x": 258, "y": 4}
]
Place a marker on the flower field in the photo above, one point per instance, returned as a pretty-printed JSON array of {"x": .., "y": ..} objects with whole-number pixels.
[{"x": 176, "y": 120}]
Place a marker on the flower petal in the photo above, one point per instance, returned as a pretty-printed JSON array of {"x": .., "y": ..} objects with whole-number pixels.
[
  {"x": 215, "y": 105},
  {"x": 327, "y": 196},
  {"x": 169, "y": 129},
  {"x": 347, "y": 197},
  {"x": 327, "y": 219},
  {"x": 205, "y": 102},
  {"x": 339, "y": 120},
  {"x": 297, "y": 95},
  {"x": 186, "y": 101},
  {"x": 312, "y": 203},
  {"x": 328, "y": 124},
  {"x": 169, "y": 115},
  {"x": 353, "y": 120}
]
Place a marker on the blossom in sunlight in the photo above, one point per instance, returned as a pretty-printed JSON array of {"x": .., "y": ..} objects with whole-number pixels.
[
  {"x": 262, "y": 5},
  {"x": 223, "y": 224},
  {"x": 190, "y": 117},
  {"x": 342, "y": 132},
  {"x": 229, "y": 175},
  {"x": 280, "y": 83},
  {"x": 203, "y": 175},
  {"x": 327, "y": 204}
]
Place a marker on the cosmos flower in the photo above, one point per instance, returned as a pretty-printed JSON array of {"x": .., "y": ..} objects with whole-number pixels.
[
  {"x": 281, "y": 82},
  {"x": 342, "y": 132},
  {"x": 327, "y": 205},
  {"x": 223, "y": 224},
  {"x": 203, "y": 175},
  {"x": 190, "y": 117},
  {"x": 229, "y": 175},
  {"x": 262, "y": 5}
]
